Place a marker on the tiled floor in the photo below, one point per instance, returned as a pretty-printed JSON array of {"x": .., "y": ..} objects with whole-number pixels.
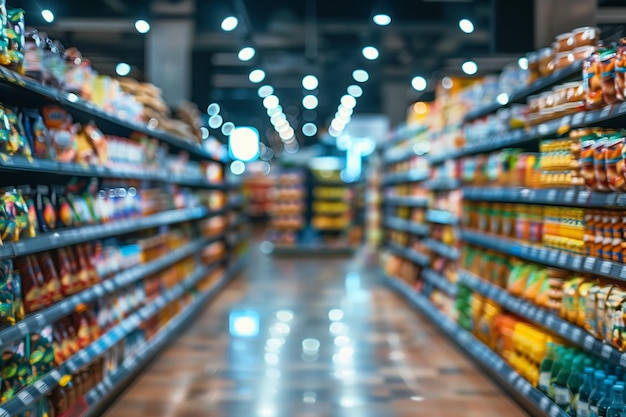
[{"x": 331, "y": 341}]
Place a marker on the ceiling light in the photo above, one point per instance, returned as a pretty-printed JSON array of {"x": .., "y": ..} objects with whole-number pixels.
[
  {"x": 47, "y": 15},
  {"x": 273, "y": 111},
  {"x": 337, "y": 124},
  {"x": 523, "y": 63},
  {"x": 227, "y": 128},
  {"x": 348, "y": 101},
  {"x": 446, "y": 83},
  {"x": 215, "y": 121},
  {"x": 502, "y": 99},
  {"x": 237, "y": 167},
  {"x": 355, "y": 91},
  {"x": 309, "y": 129},
  {"x": 371, "y": 53},
  {"x": 419, "y": 83},
  {"x": 334, "y": 132},
  {"x": 229, "y": 23},
  {"x": 270, "y": 102},
  {"x": 287, "y": 134},
  {"x": 382, "y": 19},
  {"x": 469, "y": 67},
  {"x": 265, "y": 90},
  {"x": 310, "y": 102},
  {"x": 345, "y": 111},
  {"x": 466, "y": 25},
  {"x": 122, "y": 69},
  {"x": 244, "y": 143},
  {"x": 246, "y": 53},
  {"x": 213, "y": 109},
  {"x": 256, "y": 76},
  {"x": 360, "y": 75},
  {"x": 205, "y": 132},
  {"x": 285, "y": 127},
  {"x": 142, "y": 26},
  {"x": 310, "y": 82}
]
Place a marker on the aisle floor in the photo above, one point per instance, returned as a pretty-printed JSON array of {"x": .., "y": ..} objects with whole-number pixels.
[{"x": 332, "y": 340}]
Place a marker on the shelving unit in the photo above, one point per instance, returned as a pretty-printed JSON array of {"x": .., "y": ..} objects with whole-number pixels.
[
  {"x": 187, "y": 261},
  {"x": 511, "y": 381}
]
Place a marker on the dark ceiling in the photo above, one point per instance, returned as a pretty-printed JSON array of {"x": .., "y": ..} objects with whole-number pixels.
[{"x": 294, "y": 38}]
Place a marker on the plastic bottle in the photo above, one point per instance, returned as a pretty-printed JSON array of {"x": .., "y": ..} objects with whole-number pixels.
[
  {"x": 561, "y": 392},
  {"x": 618, "y": 407},
  {"x": 545, "y": 369},
  {"x": 597, "y": 393},
  {"x": 574, "y": 382},
  {"x": 607, "y": 399},
  {"x": 582, "y": 407},
  {"x": 557, "y": 365}
]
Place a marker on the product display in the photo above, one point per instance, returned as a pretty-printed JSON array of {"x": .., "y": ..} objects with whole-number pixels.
[{"x": 112, "y": 232}]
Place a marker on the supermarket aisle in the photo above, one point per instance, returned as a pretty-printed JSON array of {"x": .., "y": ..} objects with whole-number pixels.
[{"x": 332, "y": 341}]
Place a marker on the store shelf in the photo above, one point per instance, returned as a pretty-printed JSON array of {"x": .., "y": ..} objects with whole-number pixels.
[
  {"x": 239, "y": 220},
  {"x": 19, "y": 90},
  {"x": 441, "y": 217},
  {"x": 44, "y": 386},
  {"x": 550, "y": 257},
  {"x": 20, "y": 165},
  {"x": 442, "y": 249},
  {"x": 403, "y": 133},
  {"x": 393, "y": 157},
  {"x": 440, "y": 282},
  {"x": 520, "y": 96},
  {"x": 102, "y": 395},
  {"x": 418, "y": 258},
  {"x": 545, "y": 318},
  {"x": 518, "y": 387},
  {"x": 406, "y": 201},
  {"x": 312, "y": 250},
  {"x": 442, "y": 184},
  {"x": 404, "y": 177},
  {"x": 38, "y": 320},
  {"x": 72, "y": 236},
  {"x": 549, "y": 196},
  {"x": 609, "y": 116},
  {"x": 397, "y": 223}
]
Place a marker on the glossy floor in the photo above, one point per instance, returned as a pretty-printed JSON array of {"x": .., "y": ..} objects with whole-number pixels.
[{"x": 311, "y": 337}]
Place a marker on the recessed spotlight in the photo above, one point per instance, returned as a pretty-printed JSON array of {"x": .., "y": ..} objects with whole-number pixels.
[
  {"x": 382, "y": 19},
  {"x": 310, "y": 82},
  {"x": 246, "y": 53},
  {"x": 503, "y": 98},
  {"x": 237, "y": 167},
  {"x": 227, "y": 128},
  {"x": 229, "y": 23},
  {"x": 419, "y": 83},
  {"x": 370, "y": 52},
  {"x": 310, "y": 102},
  {"x": 213, "y": 109},
  {"x": 348, "y": 101},
  {"x": 466, "y": 25},
  {"x": 47, "y": 15},
  {"x": 446, "y": 82},
  {"x": 122, "y": 69},
  {"x": 142, "y": 26},
  {"x": 256, "y": 76},
  {"x": 270, "y": 102},
  {"x": 265, "y": 90},
  {"x": 215, "y": 121},
  {"x": 355, "y": 90},
  {"x": 360, "y": 75},
  {"x": 523, "y": 63},
  {"x": 309, "y": 129},
  {"x": 469, "y": 67}
]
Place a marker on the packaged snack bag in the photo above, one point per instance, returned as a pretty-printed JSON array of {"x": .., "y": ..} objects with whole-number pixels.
[
  {"x": 587, "y": 161},
  {"x": 18, "y": 301},
  {"x": 51, "y": 278},
  {"x": 11, "y": 360},
  {"x": 607, "y": 66},
  {"x": 592, "y": 81},
  {"x": 45, "y": 206},
  {"x": 37, "y": 134},
  {"x": 620, "y": 71},
  {"x": 14, "y": 32},
  {"x": 18, "y": 144},
  {"x": 7, "y": 295},
  {"x": 35, "y": 291},
  {"x": 614, "y": 318},
  {"x": 534, "y": 283},
  {"x": 569, "y": 306},
  {"x": 615, "y": 163},
  {"x": 599, "y": 164},
  {"x": 42, "y": 351},
  {"x": 602, "y": 298}
]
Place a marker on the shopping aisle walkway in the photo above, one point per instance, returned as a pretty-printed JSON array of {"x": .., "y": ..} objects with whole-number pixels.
[{"x": 332, "y": 341}]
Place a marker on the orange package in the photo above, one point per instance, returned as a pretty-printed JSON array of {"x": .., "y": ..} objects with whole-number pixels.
[
  {"x": 620, "y": 71},
  {"x": 615, "y": 163}
]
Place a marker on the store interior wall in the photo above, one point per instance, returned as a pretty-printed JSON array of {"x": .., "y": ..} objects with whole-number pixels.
[{"x": 553, "y": 17}]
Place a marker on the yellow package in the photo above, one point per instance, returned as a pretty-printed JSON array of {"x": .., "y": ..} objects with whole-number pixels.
[
  {"x": 485, "y": 325},
  {"x": 569, "y": 305},
  {"x": 591, "y": 324},
  {"x": 536, "y": 280},
  {"x": 614, "y": 318},
  {"x": 583, "y": 292},
  {"x": 601, "y": 300}
]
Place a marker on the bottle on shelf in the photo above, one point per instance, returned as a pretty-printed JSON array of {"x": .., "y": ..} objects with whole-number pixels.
[
  {"x": 561, "y": 392},
  {"x": 545, "y": 369},
  {"x": 607, "y": 399},
  {"x": 582, "y": 406},
  {"x": 574, "y": 382},
  {"x": 597, "y": 393},
  {"x": 557, "y": 364},
  {"x": 617, "y": 407}
]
